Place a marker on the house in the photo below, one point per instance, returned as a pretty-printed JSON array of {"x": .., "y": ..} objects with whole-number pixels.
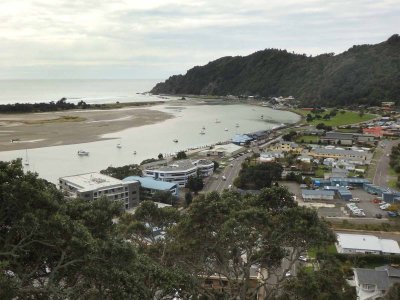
[
  {"x": 388, "y": 105},
  {"x": 365, "y": 138},
  {"x": 151, "y": 186},
  {"x": 287, "y": 147},
  {"x": 222, "y": 150},
  {"x": 376, "y": 131},
  {"x": 179, "y": 171},
  {"x": 270, "y": 156},
  {"x": 358, "y": 156},
  {"x": 373, "y": 284},
  {"x": 338, "y": 172},
  {"x": 365, "y": 244},
  {"x": 92, "y": 186},
  {"x": 305, "y": 158},
  {"x": 312, "y": 195},
  {"x": 338, "y": 138}
]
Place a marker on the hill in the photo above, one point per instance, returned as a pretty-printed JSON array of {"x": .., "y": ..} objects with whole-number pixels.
[{"x": 365, "y": 74}]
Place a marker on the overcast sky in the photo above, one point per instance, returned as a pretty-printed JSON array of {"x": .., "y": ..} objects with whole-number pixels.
[{"x": 158, "y": 38}]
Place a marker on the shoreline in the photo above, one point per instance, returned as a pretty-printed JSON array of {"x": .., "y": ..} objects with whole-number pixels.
[{"x": 38, "y": 130}]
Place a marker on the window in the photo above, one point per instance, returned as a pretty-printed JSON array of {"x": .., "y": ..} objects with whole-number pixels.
[{"x": 133, "y": 192}]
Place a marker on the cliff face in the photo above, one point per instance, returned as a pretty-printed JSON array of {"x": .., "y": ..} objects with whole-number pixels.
[{"x": 366, "y": 74}]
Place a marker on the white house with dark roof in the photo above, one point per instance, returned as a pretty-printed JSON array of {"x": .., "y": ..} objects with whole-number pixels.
[{"x": 373, "y": 284}]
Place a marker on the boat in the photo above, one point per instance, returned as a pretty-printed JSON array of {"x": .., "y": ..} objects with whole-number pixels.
[
  {"x": 204, "y": 128},
  {"x": 226, "y": 129},
  {"x": 237, "y": 124},
  {"x": 119, "y": 146},
  {"x": 83, "y": 153},
  {"x": 134, "y": 152},
  {"x": 217, "y": 121},
  {"x": 262, "y": 117},
  {"x": 26, "y": 163},
  {"x": 202, "y": 132},
  {"x": 175, "y": 141}
]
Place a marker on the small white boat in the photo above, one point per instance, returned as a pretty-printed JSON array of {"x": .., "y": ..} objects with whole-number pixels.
[
  {"x": 134, "y": 152},
  {"x": 262, "y": 117},
  {"x": 226, "y": 129},
  {"x": 217, "y": 121},
  {"x": 202, "y": 132},
  {"x": 119, "y": 146},
  {"x": 83, "y": 153},
  {"x": 204, "y": 128},
  {"x": 175, "y": 140},
  {"x": 237, "y": 124}
]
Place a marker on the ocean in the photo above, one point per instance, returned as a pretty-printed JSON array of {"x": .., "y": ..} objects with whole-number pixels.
[{"x": 90, "y": 91}]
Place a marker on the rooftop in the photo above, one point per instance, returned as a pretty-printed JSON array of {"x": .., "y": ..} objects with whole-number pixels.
[
  {"x": 91, "y": 181},
  {"x": 367, "y": 242},
  {"x": 318, "y": 192},
  {"x": 340, "y": 152},
  {"x": 150, "y": 183},
  {"x": 179, "y": 165},
  {"x": 338, "y": 135}
]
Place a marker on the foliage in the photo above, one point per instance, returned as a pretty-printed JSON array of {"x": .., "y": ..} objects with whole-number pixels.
[
  {"x": 181, "y": 155},
  {"x": 216, "y": 165},
  {"x": 365, "y": 74},
  {"x": 289, "y": 136},
  {"x": 51, "y": 248},
  {"x": 393, "y": 293},
  {"x": 165, "y": 197},
  {"x": 227, "y": 234},
  {"x": 188, "y": 198},
  {"x": 258, "y": 176},
  {"x": 122, "y": 172},
  {"x": 326, "y": 283},
  {"x": 323, "y": 127},
  {"x": 195, "y": 183}
]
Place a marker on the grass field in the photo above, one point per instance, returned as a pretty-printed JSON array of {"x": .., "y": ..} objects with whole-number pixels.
[
  {"x": 346, "y": 118},
  {"x": 308, "y": 139}
]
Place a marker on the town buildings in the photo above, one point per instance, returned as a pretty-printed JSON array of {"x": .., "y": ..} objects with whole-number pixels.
[
  {"x": 150, "y": 186},
  {"x": 91, "y": 186},
  {"x": 179, "y": 171}
]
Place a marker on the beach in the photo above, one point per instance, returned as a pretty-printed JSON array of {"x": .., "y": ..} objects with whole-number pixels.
[{"x": 35, "y": 130}]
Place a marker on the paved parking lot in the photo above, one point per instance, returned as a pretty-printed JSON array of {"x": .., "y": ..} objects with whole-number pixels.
[{"x": 339, "y": 210}]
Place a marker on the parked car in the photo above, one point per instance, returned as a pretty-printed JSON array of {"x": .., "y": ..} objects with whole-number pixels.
[
  {"x": 391, "y": 214},
  {"x": 303, "y": 258},
  {"x": 384, "y": 206},
  {"x": 223, "y": 177},
  {"x": 288, "y": 274},
  {"x": 354, "y": 200}
]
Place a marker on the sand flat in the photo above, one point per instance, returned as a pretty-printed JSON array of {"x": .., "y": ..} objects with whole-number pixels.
[{"x": 35, "y": 130}]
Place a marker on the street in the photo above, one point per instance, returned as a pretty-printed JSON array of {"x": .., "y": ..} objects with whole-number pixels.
[{"x": 381, "y": 176}]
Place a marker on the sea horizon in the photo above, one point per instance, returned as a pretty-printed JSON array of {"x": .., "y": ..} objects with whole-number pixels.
[{"x": 74, "y": 90}]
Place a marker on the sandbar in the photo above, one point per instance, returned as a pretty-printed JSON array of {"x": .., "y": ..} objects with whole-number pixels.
[{"x": 35, "y": 130}]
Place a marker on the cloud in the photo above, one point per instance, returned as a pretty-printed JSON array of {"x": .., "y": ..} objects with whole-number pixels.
[{"x": 129, "y": 38}]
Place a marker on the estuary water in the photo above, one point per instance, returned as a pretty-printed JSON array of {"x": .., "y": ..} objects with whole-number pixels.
[{"x": 150, "y": 140}]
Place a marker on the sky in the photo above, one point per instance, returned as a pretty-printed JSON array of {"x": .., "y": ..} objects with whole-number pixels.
[{"x": 123, "y": 39}]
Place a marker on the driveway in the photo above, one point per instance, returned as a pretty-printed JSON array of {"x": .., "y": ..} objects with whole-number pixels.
[{"x": 381, "y": 176}]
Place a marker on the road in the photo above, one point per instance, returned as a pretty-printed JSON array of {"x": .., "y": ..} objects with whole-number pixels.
[
  {"x": 232, "y": 170},
  {"x": 381, "y": 176}
]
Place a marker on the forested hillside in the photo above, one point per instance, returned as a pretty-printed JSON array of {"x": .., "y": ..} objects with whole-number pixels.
[{"x": 365, "y": 74}]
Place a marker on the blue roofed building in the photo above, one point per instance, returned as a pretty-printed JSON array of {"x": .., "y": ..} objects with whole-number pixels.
[
  {"x": 241, "y": 139},
  {"x": 150, "y": 186}
]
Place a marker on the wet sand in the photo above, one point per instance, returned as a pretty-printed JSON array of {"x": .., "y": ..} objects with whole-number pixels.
[{"x": 35, "y": 130}]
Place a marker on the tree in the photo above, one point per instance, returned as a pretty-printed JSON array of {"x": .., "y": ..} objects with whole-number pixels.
[
  {"x": 160, "y": 156},
  {"x": 216, "y": 165},
  {"x": 393, "y": 293},
  {"x": 258, "y": 176},
  {"x": 51, "y": 248},
  {"x": 188, "y": 198},
  {"x": 326, "y": 283},
  {"x": 165, "y": 197},
  {"x": 195, "y": 184},
  {"x": 238, "y": 233},
  {"x": 181, "y": 155},
  {"x": 122, "y": 172}
]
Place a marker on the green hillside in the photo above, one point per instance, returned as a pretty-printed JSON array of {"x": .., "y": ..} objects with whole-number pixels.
[{"x": 366, "y": 74}]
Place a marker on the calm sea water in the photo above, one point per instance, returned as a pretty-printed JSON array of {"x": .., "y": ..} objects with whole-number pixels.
[
  {"x": 91, "y": 91},
  {"x": 150, "y": 140}
]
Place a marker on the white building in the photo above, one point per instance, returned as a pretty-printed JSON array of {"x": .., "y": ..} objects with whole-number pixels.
[
  {"x": 91, "y": 186},
  {"x": 365, "y": 244},
  {"x": 179, "y": 171}
]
